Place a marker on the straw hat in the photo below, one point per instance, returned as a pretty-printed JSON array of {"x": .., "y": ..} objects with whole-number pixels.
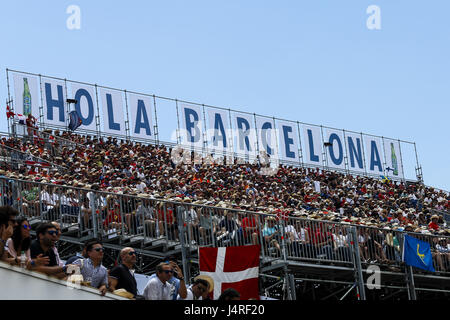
[
  {"x": 208, "y": 279},
  {"x": 123, "y": 293}
]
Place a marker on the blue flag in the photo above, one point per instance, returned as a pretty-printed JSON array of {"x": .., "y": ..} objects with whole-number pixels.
[
  {"x": 417, "y": 254},
  {"x": 75, "y": 120}
]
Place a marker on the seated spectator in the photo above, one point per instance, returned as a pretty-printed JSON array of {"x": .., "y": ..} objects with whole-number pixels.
[
  {"x": 122, "y": 276},
  {"x": 30, "y": 201},
  {"x": 20, "y": 240},
  {"x": 167, "y": 220},
  {"x": 7, "y": 223},
  {"x": 43, "y": 247},
  {"x": 341, "y": 240},
  {"x": 442, "y": 253},
  {"x": 251, "y": 228},
  {"x": 82, "y": 255},
  {"x": 197, "y": 290},
  {"x": 58, "y": 236},
  {"x": 93, "y": 272},
  {"x": 271, "y": 234},
  {"x": 227, "y": 230},
  {"x": 434, "y": 223},
  {"x": 207, "y": 225}
]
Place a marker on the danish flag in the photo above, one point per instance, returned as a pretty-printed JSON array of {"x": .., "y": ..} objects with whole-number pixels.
[{"x": 232, "y": 267}]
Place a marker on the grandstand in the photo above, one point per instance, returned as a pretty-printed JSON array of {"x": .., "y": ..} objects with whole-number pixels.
[{"x": 132, "y": 194}]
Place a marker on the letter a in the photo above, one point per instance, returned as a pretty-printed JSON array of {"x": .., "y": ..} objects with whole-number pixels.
[
  {"x": 74, "y": 21},
  {"x": 373, "y": 21}
]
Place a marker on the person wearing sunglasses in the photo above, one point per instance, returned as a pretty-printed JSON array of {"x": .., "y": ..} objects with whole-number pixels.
[
  {"x": 93, "y": 272},
  {"x": 58, "y": 236},
  {"x": 158, "y": 288},
  {"x": 42, "y": 247},
  {"x": 176, "y": 280},
  {"x": 19, "y": 242},
  {"x": 122, "y": 275}
]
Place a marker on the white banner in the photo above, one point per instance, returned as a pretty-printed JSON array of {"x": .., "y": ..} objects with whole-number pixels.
[
  {"x": 191, "y": 125},
  {"x": 244, "y": 134},
  {"x": 86, "y": 105},
  {"x": 219, "y": 135},
  {"x": 141, "y": 121},
  {"x": 288, "y": 140},
  {"x": 267, "y": 137},
  {"x": 355, "y": 152},
  {"x": 336, "y": 152},
  {"x": 393, "y": 158},
  {"x": 374, "y": 155},
  {"x": 26, "y": 95},
  {"x": 54, "y": 100},
  {"x": 112, "y": 111},
  {"x": 312, "y": 145}
]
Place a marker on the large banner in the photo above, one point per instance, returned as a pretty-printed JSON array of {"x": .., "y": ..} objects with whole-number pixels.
[
  {"x": 213, "y": 131},
  {"x": 141, "y": 110},
  {"x": 26, "y": 95},
  {"x": 54, "y": 101},
  {"x": 113, "y": 115},
  {"x": 86, "y": 105},
  {"x": 289, "y": 143},
  {"x": 192, "y": 132}
]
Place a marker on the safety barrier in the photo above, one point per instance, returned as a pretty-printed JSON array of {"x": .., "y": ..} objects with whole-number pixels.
[{"x": 150, "y": 221}]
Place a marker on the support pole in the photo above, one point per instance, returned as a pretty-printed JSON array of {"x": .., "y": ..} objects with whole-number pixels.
[
  {"x": 186, "y": 268},
  {"x": 357, "y": 264},
  {"x": 410, "y": 282}
]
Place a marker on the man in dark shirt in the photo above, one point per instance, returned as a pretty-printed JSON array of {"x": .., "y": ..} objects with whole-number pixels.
[
  {"x": 42, "y": 247},
  {"x": 122, "y": 276}
]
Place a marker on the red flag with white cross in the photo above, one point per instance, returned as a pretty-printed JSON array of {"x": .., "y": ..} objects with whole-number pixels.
[{"x": 232, "y": 267}]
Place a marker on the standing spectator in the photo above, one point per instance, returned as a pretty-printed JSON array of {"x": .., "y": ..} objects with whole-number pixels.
[
  {"x": 177, "y": 282},
  {"x": 158, "y": 288},
  {"x": 122, "y": 276},
  {"x": 94, "y": 273}
]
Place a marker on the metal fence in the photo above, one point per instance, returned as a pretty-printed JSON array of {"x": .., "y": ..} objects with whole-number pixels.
[{"x": 150, "y": 222}]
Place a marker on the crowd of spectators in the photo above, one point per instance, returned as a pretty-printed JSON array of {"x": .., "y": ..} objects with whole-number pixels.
[
  {"x": 134, "y": 168},
  {"x": 41, "y": 255}
]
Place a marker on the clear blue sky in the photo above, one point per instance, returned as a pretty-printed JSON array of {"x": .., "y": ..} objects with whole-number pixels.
[{"x": 314, "y": 61}]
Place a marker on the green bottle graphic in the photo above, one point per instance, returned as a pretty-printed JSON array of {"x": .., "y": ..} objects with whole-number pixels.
[
  {"x": 26, "y": 98},
  {"x": 394, "y": 160}
]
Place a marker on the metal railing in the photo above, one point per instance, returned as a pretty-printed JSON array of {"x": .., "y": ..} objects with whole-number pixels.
[{"x": 155, "y": 222}]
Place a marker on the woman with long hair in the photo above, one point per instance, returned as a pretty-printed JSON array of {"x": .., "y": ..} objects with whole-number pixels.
[{"x": 20, "y": 239}]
